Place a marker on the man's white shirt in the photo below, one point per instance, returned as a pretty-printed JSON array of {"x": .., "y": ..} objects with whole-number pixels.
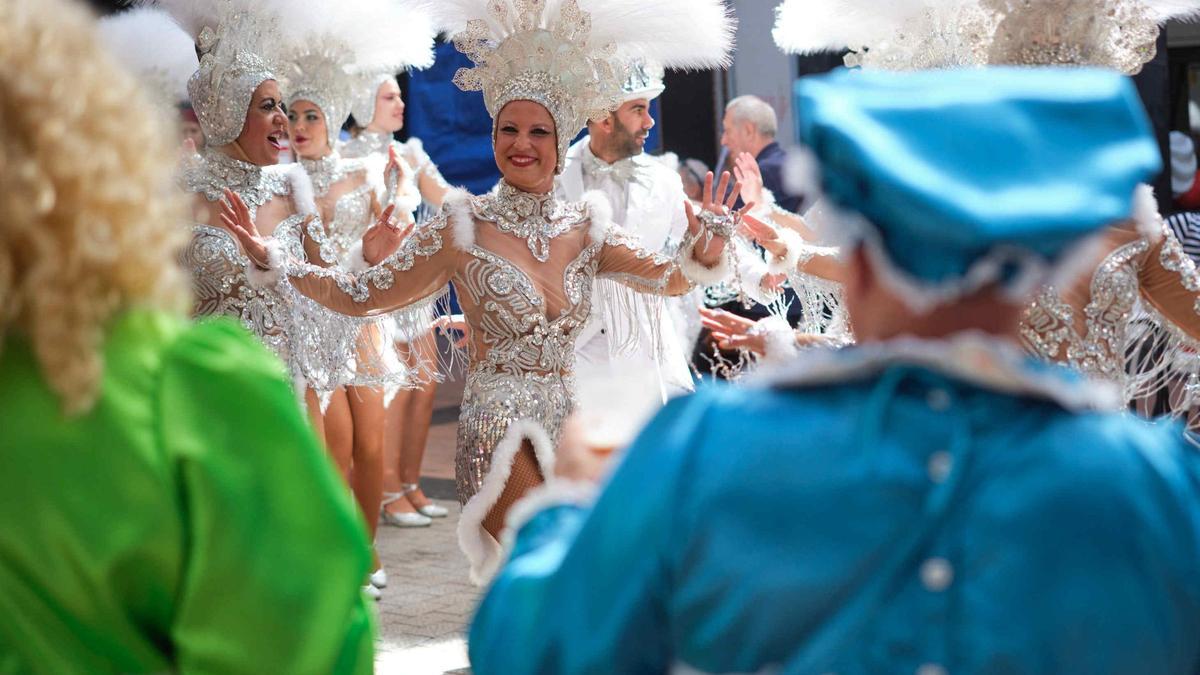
[{"x": 647, "y": 201}]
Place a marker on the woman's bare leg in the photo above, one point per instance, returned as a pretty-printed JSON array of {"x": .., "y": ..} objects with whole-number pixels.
[
  {"x": 339, "y": 432},
  {"x": 366, "y": 406}
]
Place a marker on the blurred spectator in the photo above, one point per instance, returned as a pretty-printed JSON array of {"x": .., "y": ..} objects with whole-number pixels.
[
  {"x": 164, "y": 506},
  {"x": 750, "y": 125}
]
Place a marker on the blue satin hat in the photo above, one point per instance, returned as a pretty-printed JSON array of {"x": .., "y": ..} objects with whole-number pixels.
[{"x": 1000, "y": 165}]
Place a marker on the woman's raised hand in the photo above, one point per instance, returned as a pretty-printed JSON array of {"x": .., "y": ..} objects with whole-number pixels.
[
  {"x": 764, "y": 235},
  {"x": 731, "y": 331},
  {"x": 716, "y": 204},
  {"x": 236, "y": 217},
  {"x": 383, "y": 238},
  {"x": 749, "y": 176}
]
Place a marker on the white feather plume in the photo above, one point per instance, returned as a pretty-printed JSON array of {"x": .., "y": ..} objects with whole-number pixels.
[
  {"x": 147, "y": 42},
  {"x": 195, "y": 15},
  {"x": 1177, "y": 10},
  {"x": 373, "y": 35},
  {"x": 806, "y": 26},
  {"x": 683, "y": 34}
]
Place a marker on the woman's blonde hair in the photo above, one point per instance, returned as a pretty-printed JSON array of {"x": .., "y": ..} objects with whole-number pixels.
[{"x": 89, "y": 215}]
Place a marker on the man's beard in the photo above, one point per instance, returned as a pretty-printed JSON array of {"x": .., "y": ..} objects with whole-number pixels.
[{"x": 623, "y": 142}]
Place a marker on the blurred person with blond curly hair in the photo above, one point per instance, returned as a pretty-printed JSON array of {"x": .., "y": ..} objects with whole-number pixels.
[{"x": 155, "y": 475}]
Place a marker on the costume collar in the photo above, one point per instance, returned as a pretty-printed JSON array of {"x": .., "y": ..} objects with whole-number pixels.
[
  {"x": 969, "y": 356},
  {"x": 215, "y": 171},
  {"x": 536, "y": 218},
  {"x": 324, "y": 171}
]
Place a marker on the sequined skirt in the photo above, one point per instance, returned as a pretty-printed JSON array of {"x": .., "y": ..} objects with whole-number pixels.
[{"x": 493, "y": 401}]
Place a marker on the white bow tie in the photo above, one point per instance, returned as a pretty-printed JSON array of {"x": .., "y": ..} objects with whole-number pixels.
[{"x": 621, "y": 171}]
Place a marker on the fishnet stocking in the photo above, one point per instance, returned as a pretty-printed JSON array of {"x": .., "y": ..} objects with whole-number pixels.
[{"x": 525, "y": 476}]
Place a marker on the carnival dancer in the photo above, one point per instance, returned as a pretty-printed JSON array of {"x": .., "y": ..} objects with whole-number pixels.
[
  {"x": 165, "y": 506},
  {"x": 942, "y": 488},
  {"x": 326, "y": 55},
  {"x": 416, "y": 187},
  {"x": 646, "y": 197},
  {"x": 237, "y": 98},
  {"x": 523, "y": 261}
]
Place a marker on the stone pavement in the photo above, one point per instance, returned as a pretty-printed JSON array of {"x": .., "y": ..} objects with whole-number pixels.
[{"x": 427, "y": 603}]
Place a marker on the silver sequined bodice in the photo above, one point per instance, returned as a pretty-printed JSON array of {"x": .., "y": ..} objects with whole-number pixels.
[
  {"x": 1051, "y": 330},
  {"x": 351, "y": 212},
  {"x": 216, "y": 262}
]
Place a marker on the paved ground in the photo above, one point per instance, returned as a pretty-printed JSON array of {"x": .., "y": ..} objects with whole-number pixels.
[{"x": 428, "y": 601}]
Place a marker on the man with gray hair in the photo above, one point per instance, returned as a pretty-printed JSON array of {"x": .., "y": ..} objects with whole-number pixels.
[{"x": 750, "y": 126}]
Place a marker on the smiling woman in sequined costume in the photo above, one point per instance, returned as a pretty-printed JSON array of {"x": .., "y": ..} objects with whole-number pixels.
[
  {"x": 415, "y": 187},
  {"x": 522, "y": 261}
]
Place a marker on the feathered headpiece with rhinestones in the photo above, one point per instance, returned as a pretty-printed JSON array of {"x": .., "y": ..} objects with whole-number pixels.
[
  {"x": 150, "y": 45},
  {"x": 338, "y": 46},
  {"x": 234, "y": 40},
  {"x": 572, "y": 56},
  {"x": 920, "y": 34}
]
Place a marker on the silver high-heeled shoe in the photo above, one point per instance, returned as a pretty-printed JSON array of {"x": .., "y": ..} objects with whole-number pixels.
[
  {"x": 408, "y": 519},
  {"x": 431, "y": 510}
]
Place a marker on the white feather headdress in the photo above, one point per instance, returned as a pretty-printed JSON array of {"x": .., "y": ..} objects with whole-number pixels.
[
  {"x": 154, "y": 48},
  {"x": 234, "y": 40},
  {"x": 1119, "y": 34},
  {"x": 572, "y": 56},
  {"x": 918, "y": 34},
  {"x": 335, "y": 47}
]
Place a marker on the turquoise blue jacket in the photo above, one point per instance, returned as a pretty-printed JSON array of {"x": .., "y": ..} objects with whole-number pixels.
[{"x": 915, "y": 507}]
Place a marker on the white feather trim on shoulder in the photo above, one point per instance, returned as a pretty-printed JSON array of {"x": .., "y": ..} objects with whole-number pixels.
[
  {"x": 600, "y": 212},
  {"x": 303, "y": 194},
  {"x": 1145, "y": 213},
  {"x": 457, "y": 206}
]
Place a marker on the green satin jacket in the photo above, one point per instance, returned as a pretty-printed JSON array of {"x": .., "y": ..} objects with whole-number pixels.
[{"x": 190, "y": 522}]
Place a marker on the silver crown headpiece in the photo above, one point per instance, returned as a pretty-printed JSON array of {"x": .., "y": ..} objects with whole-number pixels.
[
  {"x": 234, "y": 40},
  {"x": 921, "y": 34},
  {"x": 572, "y": 56}
]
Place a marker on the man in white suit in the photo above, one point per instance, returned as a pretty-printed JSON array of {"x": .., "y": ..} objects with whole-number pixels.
[{"x": 630, "y": 334}]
